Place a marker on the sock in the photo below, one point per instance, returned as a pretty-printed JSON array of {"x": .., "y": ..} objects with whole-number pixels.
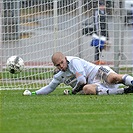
[
  {"x": 102, "y": 91},
  {"x": 115, "y": 91},
  {"x": 109, "y": 91},
  {"x": 127, "y": 80},
  {"x": 33, "y": 93},
  {"x": 120, "y": 91}
]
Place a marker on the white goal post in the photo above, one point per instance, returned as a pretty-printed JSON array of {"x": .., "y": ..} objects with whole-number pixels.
[{"x": 35, "y": 29}]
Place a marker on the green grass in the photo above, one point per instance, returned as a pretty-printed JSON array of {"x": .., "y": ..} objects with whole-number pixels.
[{"x": 57, "y": 113}]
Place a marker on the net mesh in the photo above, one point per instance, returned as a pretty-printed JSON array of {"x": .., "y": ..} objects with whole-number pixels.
[{"x": 35, "y": 29}]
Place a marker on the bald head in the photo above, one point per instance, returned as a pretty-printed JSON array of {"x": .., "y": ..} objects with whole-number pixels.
[
  {"x": 59, "y": 60},
  {"x": 57, "y": 56}
]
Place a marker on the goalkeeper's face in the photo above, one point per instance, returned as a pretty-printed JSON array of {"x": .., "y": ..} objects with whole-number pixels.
[{"x": 60, "y": 62}]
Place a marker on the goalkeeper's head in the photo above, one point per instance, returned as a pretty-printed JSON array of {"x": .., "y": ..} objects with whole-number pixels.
[{"x": 60, "y": 61}]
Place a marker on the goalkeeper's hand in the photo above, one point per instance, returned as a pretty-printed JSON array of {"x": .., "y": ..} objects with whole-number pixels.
[{"x": 75, "y": 91}]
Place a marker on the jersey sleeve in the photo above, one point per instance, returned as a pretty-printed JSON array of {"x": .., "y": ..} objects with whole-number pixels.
[{"x": 49, "y": 88}]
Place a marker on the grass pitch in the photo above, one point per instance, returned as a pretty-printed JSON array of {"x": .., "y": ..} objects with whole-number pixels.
[{"x": 57, "y": 113}]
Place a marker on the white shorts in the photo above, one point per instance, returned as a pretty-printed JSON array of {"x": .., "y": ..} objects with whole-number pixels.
[{"x": 101, "y": 76}]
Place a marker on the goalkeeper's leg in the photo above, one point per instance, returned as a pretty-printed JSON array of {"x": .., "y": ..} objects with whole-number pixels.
[{"x": 98, "y": 89}]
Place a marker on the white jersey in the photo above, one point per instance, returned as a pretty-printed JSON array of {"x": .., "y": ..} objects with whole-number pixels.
[{"x": 75, "y": 64}]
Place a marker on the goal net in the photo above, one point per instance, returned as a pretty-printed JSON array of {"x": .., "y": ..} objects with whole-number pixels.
[{"x": 35, "y": 29}]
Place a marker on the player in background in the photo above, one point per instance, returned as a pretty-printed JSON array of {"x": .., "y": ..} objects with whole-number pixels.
[
  {"x": 85, "y": 76},
  {"x": 100, "y": 28},
  {"x": 100, "y": 42}
]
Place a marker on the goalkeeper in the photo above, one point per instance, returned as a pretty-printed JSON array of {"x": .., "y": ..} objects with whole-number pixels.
[{"x": 84, "y": 76}]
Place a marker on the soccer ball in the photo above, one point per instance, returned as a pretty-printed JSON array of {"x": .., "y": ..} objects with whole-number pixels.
[{"x": 15, "y": 64}]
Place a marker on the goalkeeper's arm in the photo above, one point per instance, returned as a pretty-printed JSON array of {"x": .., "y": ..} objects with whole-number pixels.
[
  {"x": 81, "y": 81},
  {"x": 47, "y": 89}
]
